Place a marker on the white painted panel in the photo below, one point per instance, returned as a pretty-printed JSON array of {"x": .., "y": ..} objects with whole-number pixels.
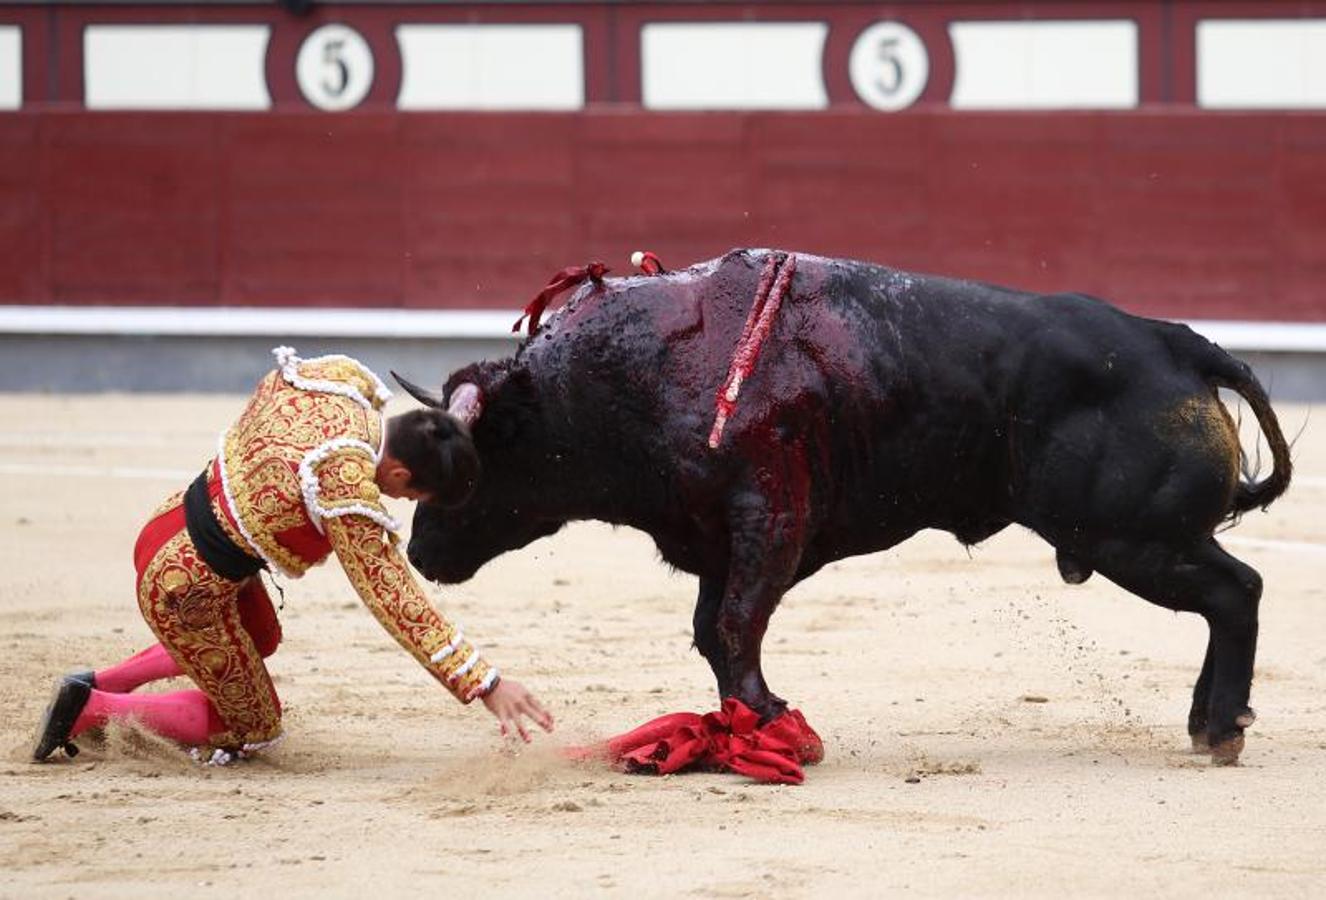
[
  {"x": 1045, "y": 65},
  {"x": 491, "y": 67},
  {"x": 11, "y": 67},
  {"x": 1261, "y": 63},
  {"x": 733, "y": 65},
  {"x": 175, "y": 67}
]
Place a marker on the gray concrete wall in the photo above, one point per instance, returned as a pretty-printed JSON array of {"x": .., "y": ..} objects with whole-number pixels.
[
  {"x": 98, "y": 363},
  {"x": 1297, "y": 377}
]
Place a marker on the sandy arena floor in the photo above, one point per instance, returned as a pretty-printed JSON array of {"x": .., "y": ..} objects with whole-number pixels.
[{"x": 918, "y": 661}]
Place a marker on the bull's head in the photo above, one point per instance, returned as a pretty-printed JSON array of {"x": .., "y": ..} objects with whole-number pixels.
[{"x": 499, "y": 404}]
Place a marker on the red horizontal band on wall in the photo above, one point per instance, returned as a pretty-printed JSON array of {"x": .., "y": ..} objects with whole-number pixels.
[{"x": 1174, "y": 213}]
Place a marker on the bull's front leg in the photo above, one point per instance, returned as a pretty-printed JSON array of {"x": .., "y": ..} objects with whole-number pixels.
[
  {"x": 707, "y": 607},
  {"x": 768, "y": 530}
]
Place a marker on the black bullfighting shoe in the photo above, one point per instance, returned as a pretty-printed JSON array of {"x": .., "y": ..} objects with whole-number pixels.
[
  {"x": 87, "y": 676},
  {"x": 71, "y": 695}
]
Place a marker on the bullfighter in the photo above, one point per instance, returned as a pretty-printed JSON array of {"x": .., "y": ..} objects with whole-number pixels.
[{"x": 299, "y": 476}]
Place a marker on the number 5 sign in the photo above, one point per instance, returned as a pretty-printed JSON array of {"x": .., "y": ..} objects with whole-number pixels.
[
  {"x": 334, "y": 67},
  {"x": 888, "y": 66}
]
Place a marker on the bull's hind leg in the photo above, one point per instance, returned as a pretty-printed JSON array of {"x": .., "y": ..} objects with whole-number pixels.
[
  {"x": 1200, "y": 713},
  {"x": 1206, "y": 580}
]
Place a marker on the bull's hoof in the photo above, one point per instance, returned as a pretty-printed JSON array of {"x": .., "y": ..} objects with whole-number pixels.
[
  {"x": 1226, "y": 752},
  {"x": 1224, "y": 748},
  {"x": 1071, "y": 569}
]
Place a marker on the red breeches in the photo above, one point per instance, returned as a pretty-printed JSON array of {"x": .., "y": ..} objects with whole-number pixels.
[{"x": 217, "y": 631}]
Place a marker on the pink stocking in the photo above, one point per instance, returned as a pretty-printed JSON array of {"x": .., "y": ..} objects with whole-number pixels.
[
  {"x": 184, "y": 716},
  {"x": 151, "y": 664}
]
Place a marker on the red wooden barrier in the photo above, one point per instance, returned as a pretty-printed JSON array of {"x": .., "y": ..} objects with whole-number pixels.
[{"x": 1175, "y": 213}]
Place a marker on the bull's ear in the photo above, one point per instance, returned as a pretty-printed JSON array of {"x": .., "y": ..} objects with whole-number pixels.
[
  {"x": 513, "y": 383},
  {"x": 521, "y": 380},
  {"x": 510, "y": 407},
  {"x": 423, "y": 395}
]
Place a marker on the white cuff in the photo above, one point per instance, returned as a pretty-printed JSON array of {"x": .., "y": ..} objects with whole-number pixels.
[
  {"x": 465, "y": 667},
  {"x": 449, "y": 648}
]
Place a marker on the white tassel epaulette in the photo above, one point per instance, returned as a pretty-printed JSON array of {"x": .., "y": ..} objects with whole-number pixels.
[
  {"x": 308, "y": 485},
  {"x": 288, "y": 362}
]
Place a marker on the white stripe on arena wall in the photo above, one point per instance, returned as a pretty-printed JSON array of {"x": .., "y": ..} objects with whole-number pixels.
[
  {"x": 1008, "y": 65},
  {"x": 733, "y": 65},
  {"x": 464, "y": 324},
  {"x": 1045, "y": 65},
  {"x": 1261, "y": 63},
  {"x": 11, "y": 67},
  {"x": 220, "y": 67},
  {"x": 491, "y": 67}
]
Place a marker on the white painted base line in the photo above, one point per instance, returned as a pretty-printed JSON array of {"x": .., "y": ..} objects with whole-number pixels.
[
  {"x": 234, "y": 321},
  {"x": 468, "y": 324}
]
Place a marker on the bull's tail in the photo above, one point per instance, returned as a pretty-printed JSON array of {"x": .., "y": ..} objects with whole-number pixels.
[{"x": 1223, "y": 370}]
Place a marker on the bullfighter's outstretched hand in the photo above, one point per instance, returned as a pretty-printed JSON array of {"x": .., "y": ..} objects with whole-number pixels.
[{"x": 511, "y": 703}]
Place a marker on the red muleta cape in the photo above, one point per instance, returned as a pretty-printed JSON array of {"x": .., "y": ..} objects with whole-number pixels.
[{"x": 730, "y": 739}]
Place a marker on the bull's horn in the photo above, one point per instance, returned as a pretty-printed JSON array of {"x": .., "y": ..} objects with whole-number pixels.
[
  {"x": 466, "y": 402},
  {"x": 423, "y": 395}
]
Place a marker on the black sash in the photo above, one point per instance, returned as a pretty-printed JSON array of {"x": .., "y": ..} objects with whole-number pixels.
[{"x": 223, "y": 555}]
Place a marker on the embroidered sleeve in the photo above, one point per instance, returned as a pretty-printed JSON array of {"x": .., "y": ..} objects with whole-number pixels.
[
  {"x": 388, "y": 588},
  {"x": 338, "y": 480}
]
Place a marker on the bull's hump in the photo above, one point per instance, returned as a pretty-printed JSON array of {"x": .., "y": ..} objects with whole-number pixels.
[
  {"x": 710, "y": 296},
  {"x": 671, "y": 296}
]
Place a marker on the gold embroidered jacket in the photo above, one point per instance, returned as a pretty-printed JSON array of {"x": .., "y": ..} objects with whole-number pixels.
[{"x": 298, "y": 470}]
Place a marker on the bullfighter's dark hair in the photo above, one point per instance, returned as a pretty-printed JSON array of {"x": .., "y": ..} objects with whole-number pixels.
[{"x": 437, "y": 449}]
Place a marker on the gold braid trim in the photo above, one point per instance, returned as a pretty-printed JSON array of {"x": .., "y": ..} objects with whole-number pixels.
[
  {"x": 388, "y": 589},
  {"x": 335, "y": 374}
]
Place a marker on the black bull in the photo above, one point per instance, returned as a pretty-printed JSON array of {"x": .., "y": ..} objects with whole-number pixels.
[{"x": 883, "y": 403}]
